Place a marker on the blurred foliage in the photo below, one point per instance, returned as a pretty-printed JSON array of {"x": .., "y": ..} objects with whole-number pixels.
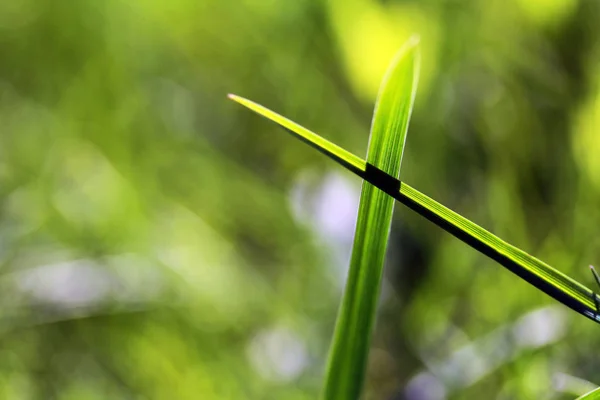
[{"x": 158, "y": 242}]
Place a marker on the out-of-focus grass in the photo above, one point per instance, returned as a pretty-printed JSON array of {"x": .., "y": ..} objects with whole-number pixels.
[{"x": 154, "y": 238}]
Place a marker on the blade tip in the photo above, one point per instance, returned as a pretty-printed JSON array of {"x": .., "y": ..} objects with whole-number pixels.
[{"x": 236, "y": 98}]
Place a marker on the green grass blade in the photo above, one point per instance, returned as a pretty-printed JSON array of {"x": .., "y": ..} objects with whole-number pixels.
[
  {"x": 351, "y": 341},
  {"x": 593, "y": 395}
]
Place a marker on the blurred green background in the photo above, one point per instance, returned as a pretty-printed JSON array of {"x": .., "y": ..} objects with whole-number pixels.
[{"x": 157, "y": 241}]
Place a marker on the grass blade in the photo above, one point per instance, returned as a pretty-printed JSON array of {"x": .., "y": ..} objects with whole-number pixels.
[
  {"x": 351, "y": 341},
  {"x": 539, "y": 274}
]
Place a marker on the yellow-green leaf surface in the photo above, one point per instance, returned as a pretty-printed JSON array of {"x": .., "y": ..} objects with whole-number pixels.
[{"x": 593, "y": 395}]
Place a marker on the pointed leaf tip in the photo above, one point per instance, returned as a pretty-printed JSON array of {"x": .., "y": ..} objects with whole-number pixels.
[
  {"x": 393, "y": 109},
  {"x": 233, "y": 97},
  {"x": 245, "y": 102}
]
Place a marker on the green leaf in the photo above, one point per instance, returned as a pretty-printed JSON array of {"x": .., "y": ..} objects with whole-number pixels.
[
  {"x": 593, "y": 395},
  {"x": 351, "y": 342}
]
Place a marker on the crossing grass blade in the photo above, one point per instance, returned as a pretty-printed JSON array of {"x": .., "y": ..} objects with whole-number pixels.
[{"x": 539, "y": 274}]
